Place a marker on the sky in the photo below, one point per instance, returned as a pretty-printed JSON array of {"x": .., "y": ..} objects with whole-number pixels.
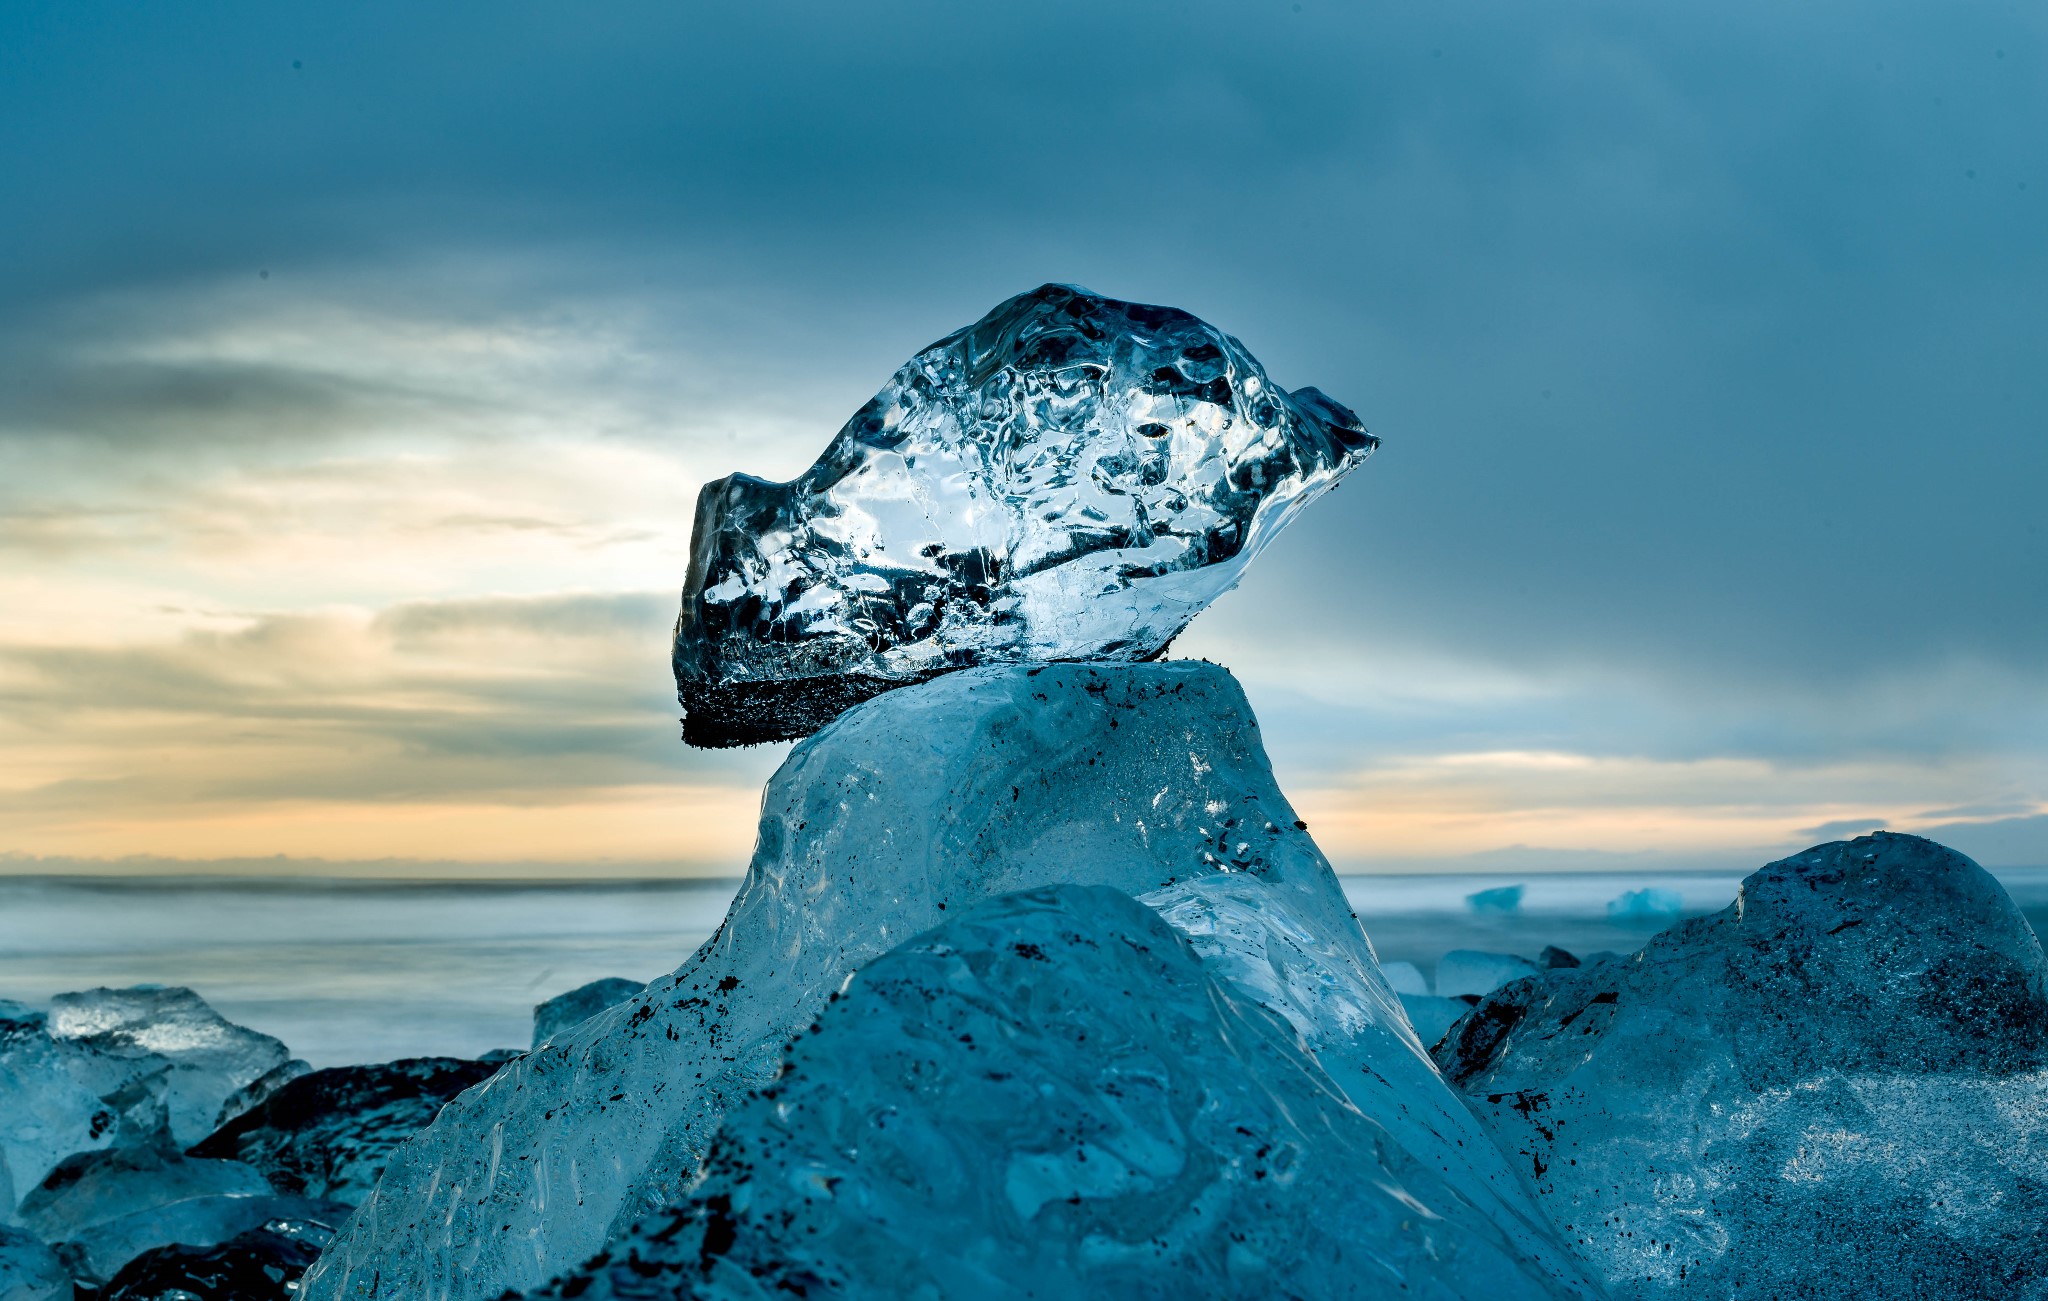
[{"x": 359, "y": 365}]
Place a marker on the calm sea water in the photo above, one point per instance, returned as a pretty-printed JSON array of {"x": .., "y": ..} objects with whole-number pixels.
[{"x": 360, "y": 971}]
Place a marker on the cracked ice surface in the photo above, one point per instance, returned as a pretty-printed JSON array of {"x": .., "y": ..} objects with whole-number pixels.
[
  {"x": 1069, "y": 478},
  {"x": 907, "y": 809},
  {"x": 1055, "y": 1096},
  {"x": 1843, "y": 1076}
]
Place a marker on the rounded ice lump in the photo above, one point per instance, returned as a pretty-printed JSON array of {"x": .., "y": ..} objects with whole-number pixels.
[
  {"x": 1835, "y": 1087},
  {"x": 1070, "y": 478},
  {"x": 1056, "y": 1097}
]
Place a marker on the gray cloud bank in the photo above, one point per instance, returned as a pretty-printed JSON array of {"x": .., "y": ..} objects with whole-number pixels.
[{"x": 1706, "y": 339}]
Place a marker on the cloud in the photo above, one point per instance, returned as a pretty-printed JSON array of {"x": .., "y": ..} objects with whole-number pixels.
[
  {"x": 1705, "y": 345},
  {"x": 449, "y": 710}
]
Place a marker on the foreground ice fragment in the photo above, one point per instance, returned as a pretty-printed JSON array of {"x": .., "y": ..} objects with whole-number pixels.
[
  {"x": 1837, "y": 1086},
  {"x": 328, "y": 1135},
  {"x": 211, "y": 1058},
  {"x": 99, "y": 1253},
  {"x": 906, "y": 810},
  {"x": 1055, "y": 1097},
  {"x": 1071, "y": 477},
  {"x": 93, "y": 1187},
  {"x": 29, "y": 1270},
  {"x": 579, "y": 1005}
]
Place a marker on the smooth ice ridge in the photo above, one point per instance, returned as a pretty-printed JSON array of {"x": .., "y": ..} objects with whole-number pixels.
[
  {"x": 904, "y": 811},
  {"x": 1837, "y": 1086},
  {"x": 1056, "y": 1097},
  {"x": 1069, "y": 478}
]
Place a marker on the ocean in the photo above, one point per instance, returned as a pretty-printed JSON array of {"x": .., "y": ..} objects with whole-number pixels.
[{"x": 364, "y": 971}]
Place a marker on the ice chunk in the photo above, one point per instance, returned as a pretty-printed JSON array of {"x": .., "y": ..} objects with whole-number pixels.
[
  {"x": 1053, "y": 1098},
  {"x": 1325, "y": 984},
  {"x": 29, "y": 1270},
  {"x": 1069, "y": 478},
  {"x": 1834, "y": 1085},
  {"x": 47, "y": 1111},
  {"x": 1469, "y": 971},
  {"x": 1405, "y": 978},
  {"x": 1501, "y": 901},
  {"x": 1650, "y": 904},
  {"x": 579, "y": 1005},
  {"x": 908, "y": 808},
  {"x": 93, "y": 1187},
  {"x": 97, "y": 1254},
  {"x": 210, "y": 1057},
  {"x": 263, "y": 1264},
  {"x": 328, "y": 1134}
]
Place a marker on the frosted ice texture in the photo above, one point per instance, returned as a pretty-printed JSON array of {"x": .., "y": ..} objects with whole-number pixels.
[
  {"x": 210, "y": 1058},
  {"x": 329, "y": 1134},
  {"x": 579, "y": 1005},
  {"x": 904, "y": 810},
  {"x": 1055, "y": 1097},
  {"x": 1838, "y": 1086},
  {"x": 1070, "y": 477},
  {"x": 29, "y": 1270}
]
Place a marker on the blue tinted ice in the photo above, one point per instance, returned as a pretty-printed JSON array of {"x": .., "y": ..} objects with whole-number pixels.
[
  {"x": 1055, "y": 1097},
  {"x": 1069, "y": 478},
  {"x": 903, "y": 813}
]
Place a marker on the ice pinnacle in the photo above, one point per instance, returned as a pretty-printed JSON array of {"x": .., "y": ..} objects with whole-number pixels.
[{"x": 1069, "y": 478}]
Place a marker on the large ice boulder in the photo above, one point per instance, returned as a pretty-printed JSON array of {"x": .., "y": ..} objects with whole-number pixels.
[
  {"x": 328, "y": 1135},
  {"x": 1055, "y": 1096},
  {"x": 1069, "y": 478},
  {"x": 211, "y": 1059},
  {"x": 905, "y": 811},
  {"x": 1836, "y": 1086}
]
